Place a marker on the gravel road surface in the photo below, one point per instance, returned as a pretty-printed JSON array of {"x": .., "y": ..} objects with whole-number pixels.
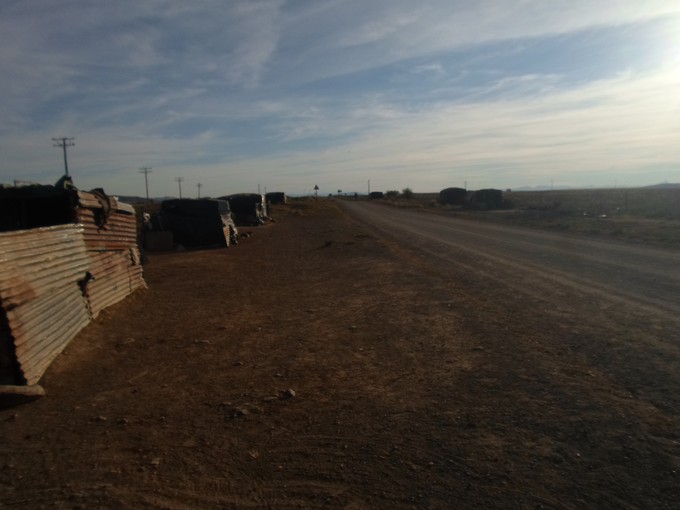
[{"x": 557, "y": 268}]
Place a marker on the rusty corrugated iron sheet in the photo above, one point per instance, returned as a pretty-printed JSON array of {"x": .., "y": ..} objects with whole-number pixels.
[
  {"x": 119, "y": 232},
  {"x": 41, "y": 271},
  {"x": 110, "y": 234},
  {"x": 115, "y": 276},
  {"x": 55, "y": 279}
]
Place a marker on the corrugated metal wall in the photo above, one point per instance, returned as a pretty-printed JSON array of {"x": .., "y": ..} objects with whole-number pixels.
[
  {"x": 54, "y": 280},
  {"x": 110, "y": 233},
  {"x": 40, "y": 271}
]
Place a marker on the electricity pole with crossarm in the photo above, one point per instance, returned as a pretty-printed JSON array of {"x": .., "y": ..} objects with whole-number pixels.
[
  {"x": 179, "y": 181},
  {"x": 146, "y": 170},
  {"x": 64, "y": 142}
]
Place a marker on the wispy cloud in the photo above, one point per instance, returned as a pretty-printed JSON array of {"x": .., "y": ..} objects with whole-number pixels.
[
  {"x": 616, "y": 125},
  {"x": 256, "y": 91}
]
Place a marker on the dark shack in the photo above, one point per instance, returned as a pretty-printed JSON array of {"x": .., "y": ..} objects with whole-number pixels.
[
  {"x": 276, "y": 197},
  {"x": 199, "y": 223},
  {"x": 485, "y": 199},
  {"x": 248, "y": 209},
  {"x": 376, "y": 195},
  {"x": 453, "y": 196},
  {"x": 66, "y": 255}
]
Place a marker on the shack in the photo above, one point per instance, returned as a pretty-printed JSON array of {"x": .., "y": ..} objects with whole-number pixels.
[
  {"x": 248, "y": 209},
  {"x": 276, "y": 197},
  {"x": 485, "y": 199},
  {"x": 199, "y": 222},
  {"x": 453, "y": 196},
  {"x": 65, "y": 255}
]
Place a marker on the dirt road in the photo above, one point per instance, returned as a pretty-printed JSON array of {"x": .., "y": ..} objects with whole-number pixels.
[
  {"x": 322, "y": 364},
  {"x": 623, "y": 297},
  {"x": 622, "y": 277}
]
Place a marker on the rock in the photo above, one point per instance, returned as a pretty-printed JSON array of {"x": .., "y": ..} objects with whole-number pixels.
[
  {"x": 11, "y": 395},
  {"x": 288, "y": 393},
  {"x": 237, "y": 412}
]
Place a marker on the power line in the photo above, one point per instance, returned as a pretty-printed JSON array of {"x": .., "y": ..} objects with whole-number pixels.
[
  {"x": 179, "y": 181},
  {"x": 64, "y": 142},
  {"x": 146, "y": 170}
]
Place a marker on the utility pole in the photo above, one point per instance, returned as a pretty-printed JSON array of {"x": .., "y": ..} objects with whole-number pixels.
[
  {"x": 64, "y": 142},
  {"x": 179, "y": 181},
  {"x": 199, "y": 189},
  {"x": 146, "y": 170}
]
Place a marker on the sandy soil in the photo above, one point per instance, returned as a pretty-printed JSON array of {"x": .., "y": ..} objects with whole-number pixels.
[{"x": 320, "y": 365}]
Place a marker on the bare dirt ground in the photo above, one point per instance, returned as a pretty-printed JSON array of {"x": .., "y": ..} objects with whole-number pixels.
[{"x": 318, "y": 365}]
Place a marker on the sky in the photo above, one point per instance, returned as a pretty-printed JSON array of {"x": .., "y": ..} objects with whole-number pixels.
[{"x": 285, "y": 95}]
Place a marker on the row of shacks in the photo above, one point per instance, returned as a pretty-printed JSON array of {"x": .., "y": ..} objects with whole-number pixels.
[
  {"x": 478, "y": 199},
  {"x": 206, "y": 222},
  {"x": 67, "y": 254},
  {"x": 463, "y": 198}
]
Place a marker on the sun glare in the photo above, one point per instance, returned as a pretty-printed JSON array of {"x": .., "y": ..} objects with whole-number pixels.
[{"x": 671, "y": 44}]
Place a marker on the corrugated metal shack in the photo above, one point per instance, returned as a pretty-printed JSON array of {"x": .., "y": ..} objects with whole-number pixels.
[
  {"x": 276, "y": 197},
  {"x": 42, "y": 302},
  {"x": 66, "y": 255},
  {"x": 110, "y": 234},
  {"x": 249, "y": 209},
  {"x": 199, "y": 222}
]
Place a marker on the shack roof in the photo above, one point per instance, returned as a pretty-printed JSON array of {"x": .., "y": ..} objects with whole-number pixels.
[
  {"x": 195, "y": 207},
  {"x": 35, "y": 206}
]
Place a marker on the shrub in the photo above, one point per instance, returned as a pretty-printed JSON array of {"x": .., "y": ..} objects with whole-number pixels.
[{"x": 407, "y": 193}]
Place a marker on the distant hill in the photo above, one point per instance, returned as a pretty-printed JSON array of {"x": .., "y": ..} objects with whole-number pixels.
[
  {"x": 140, "y": 200},
  {"x": 131, "y": 200},
  {"x": 541, "y": 187},
  {"x": 665, "y": 185}
]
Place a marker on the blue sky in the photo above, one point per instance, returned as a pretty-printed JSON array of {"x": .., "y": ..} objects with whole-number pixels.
[{"x": 286, "y": 95}]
